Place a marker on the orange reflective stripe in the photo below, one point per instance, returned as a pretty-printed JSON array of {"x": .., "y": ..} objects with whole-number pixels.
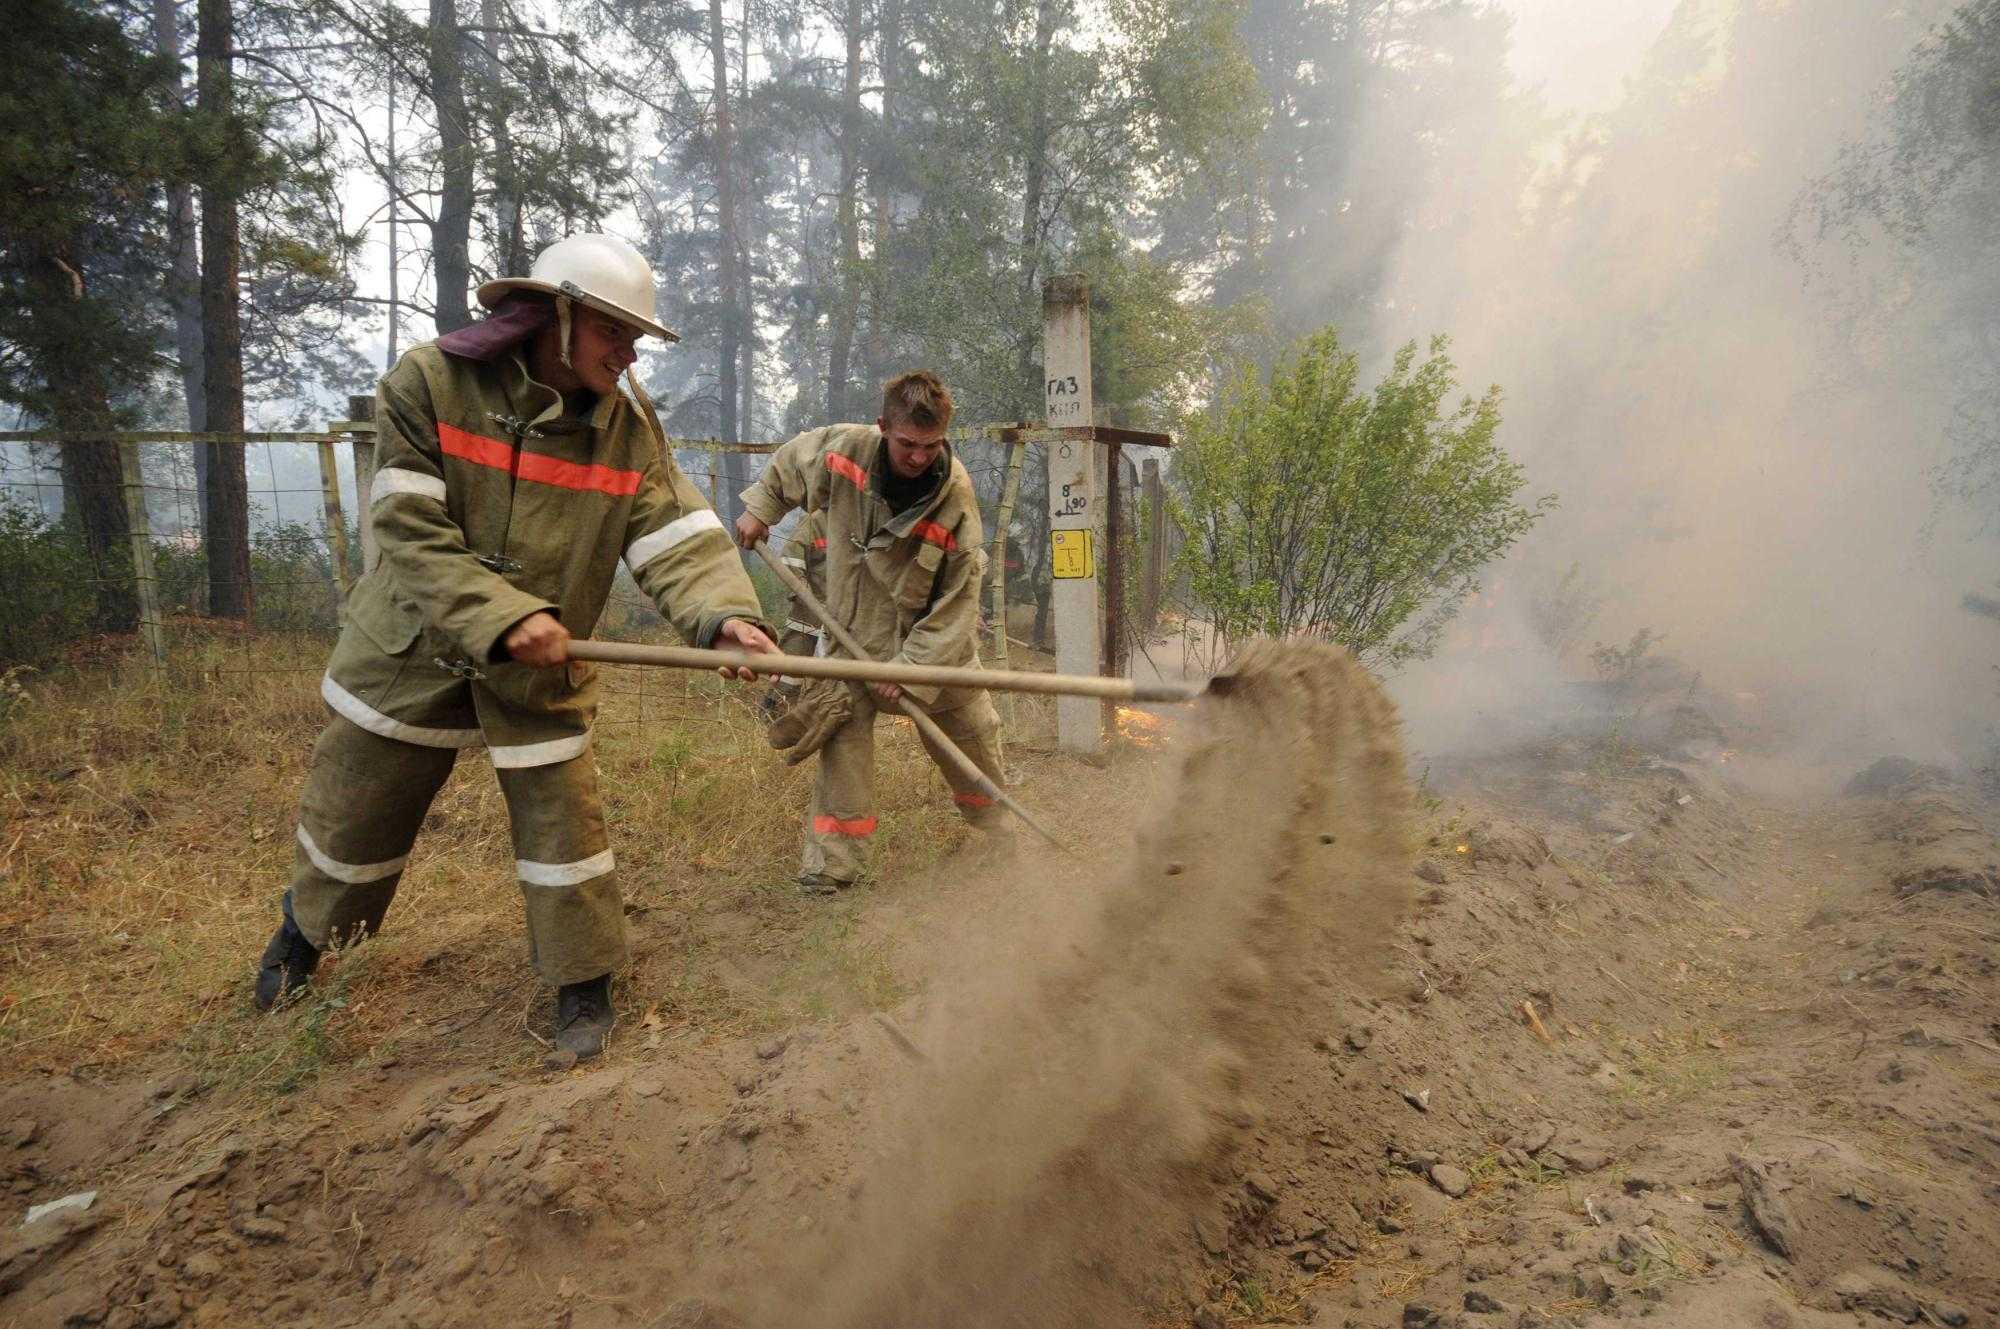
[
  {"x": 855, "y": 827},
  {"x": 932, "y": 533},
  {"x": 576, "y": 475},
  {"x": 848, "y": 467},
  {"x": 972, "y": 800},
  {"x": 820, "y": 543},
  {"x": 491, "y": 452},
  {"x": 475, "y": 448}
]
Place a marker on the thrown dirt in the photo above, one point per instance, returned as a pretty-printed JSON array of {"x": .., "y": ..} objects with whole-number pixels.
[{"x": 1077, "y": 1112}]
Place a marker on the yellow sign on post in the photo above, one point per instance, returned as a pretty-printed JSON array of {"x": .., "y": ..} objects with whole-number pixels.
[{"x": 1070, "y": 554}]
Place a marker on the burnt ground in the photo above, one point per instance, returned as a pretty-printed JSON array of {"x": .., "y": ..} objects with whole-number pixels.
[{"x": 1645, "y": 1045}]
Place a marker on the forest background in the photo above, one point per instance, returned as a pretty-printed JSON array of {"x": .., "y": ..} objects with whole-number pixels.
[{"x": 1756, "y": 282}]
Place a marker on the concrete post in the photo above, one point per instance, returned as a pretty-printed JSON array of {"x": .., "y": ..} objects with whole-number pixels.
[{"x": 1073, "y": 506}]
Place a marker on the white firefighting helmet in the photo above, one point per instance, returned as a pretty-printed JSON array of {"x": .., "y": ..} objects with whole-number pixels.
[{"x": 600, "y": 271}]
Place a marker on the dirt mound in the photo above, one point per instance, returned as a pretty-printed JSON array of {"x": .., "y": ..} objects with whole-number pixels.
[
  {"x": 1930, "y": 837},
  {"x": 1074, "y": 1120},
  {"x": 1891, "y": 776}
]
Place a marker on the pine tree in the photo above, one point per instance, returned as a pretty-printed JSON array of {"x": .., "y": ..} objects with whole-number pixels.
[{"x": 94, "y": 136}]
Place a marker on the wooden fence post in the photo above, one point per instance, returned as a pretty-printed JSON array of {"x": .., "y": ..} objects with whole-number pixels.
[
  {"x": 144, "y": 581},
  {"x": 1114, "y": 574},
  {"x": 336, "y": 520},
  {"x": 361, "y": 412},
  {"x": 1003, "y": 516},
  {"x": 1153, "y": 578}
]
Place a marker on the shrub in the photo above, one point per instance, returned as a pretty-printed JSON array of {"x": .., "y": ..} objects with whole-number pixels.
[
  {"x": 51, "y": 596},
  {"x": 1312, "y": 507},
  {"x": 53, "y": 586}
]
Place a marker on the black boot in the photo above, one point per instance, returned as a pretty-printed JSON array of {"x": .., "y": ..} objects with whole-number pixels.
[
  {"x": 584, "y": 1016},
  {"x": 288, "y": 962}
]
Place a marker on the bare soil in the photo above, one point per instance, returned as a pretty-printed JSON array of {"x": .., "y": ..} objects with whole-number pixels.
[{"x": 1596, "y": 1035}]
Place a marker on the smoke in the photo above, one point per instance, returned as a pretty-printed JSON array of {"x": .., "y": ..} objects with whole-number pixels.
[{"x": 1743, "y": 431}]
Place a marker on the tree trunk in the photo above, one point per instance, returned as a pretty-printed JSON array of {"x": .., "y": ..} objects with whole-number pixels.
[
  {"x": 94, "y": 501},
  {"x": 93, "y": 486},
  {"x": 753, "y": 227},
  {"x": 185, "y": 281},
  {"x": 729, "y": 249},
  {"x": 509, "y": 244},
  {"x": 727, "y": 241},
  {"x": 227, "y": 537},
  {"x": 181, "y": 229},
  {"x": 1036, "y": 152},
  {"x": 393, "y": 180},
  {"x": 889, "y": 61},
  {"x": 451, "y": 239},
  {"x": 847, "y": 307}
]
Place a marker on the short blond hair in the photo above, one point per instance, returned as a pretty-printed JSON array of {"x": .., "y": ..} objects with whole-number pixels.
[{"x": 919, "y": 398}]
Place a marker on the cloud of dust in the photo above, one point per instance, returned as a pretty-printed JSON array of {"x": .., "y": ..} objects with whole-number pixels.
[
  {"x": 1742, "y": 437},
  {"x": 1087, "y": 1080}
]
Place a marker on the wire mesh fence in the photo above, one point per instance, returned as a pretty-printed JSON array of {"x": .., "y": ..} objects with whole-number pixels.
[
  {"x": 104, "y": 556},
  {"x": 70, "y": 550}
]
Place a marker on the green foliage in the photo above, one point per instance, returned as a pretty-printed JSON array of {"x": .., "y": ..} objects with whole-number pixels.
[
  {"x": 291, "y": 579},
  {"x": 772, "y": 596},
  {"x": 1312, "y": 507},
  {"x": 1076, "y": 140},
  {"x": 1152, "y": 350},
  {"x": 95, "y": 133},
  {"x": 1562, "y": 612},
  {"x": 53, "y": 585},
  {"x": 1939, "y": 137},
  {"x": 1361, "y": 115},
  {"x": 1927, "y": 178},
  {"x": 43, "y": 565},
  {"x": 1620, "y": 665},
  {"x": 89, "y": 137},
  {"x": 689, "y": 781}
]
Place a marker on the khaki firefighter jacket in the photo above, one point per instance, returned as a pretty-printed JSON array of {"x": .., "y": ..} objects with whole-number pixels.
[
  {"x": 490, "y": 504},
  {"x": 907, "y": 585}
]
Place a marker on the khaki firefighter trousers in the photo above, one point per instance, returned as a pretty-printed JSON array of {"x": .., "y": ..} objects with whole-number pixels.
[
  {"x": 365, "y": 798},
  {"x": 841, "y": 822}
]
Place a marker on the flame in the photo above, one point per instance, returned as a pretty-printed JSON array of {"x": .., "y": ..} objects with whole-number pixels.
[{"x": 1140, "y": 728}]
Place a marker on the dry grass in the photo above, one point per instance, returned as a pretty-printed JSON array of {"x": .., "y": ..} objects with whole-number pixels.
[{"x": 146, "y": 833}]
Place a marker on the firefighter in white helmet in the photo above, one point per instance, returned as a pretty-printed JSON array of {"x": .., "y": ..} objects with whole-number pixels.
[{"x": 511, "y": 477}]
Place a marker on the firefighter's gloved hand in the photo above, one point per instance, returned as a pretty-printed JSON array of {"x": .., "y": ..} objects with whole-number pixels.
[{"x": 821, "y": 708}]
